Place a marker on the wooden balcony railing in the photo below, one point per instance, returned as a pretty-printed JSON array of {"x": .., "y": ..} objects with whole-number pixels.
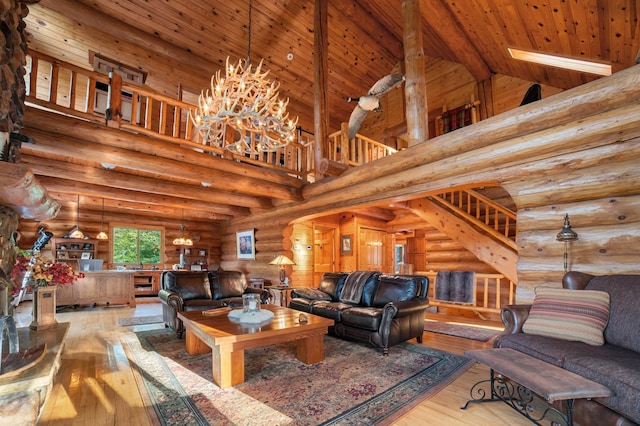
[
  {"x": 92, "y": 96},
  {"x": 493, "y": 218},
  {"x": 493, "y": 291}
]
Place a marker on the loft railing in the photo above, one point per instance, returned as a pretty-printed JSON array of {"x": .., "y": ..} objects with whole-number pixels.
[
  {"x": 492, "y": 291},
  {"x": 92, "y": 96},
  {"x": 491, "y": 217}
]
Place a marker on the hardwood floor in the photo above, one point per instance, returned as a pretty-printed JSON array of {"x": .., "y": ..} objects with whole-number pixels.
[{"x": 95, "y": 384}]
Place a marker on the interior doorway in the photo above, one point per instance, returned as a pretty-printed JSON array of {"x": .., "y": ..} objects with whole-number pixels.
[{"x": 324, "y": 251}]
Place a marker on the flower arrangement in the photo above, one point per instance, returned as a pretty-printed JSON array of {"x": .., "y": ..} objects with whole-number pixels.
[{"x": 43, "y": 272}]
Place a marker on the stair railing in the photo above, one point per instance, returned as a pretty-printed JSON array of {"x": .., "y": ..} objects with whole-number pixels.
[{"x": 491, "y": 217}]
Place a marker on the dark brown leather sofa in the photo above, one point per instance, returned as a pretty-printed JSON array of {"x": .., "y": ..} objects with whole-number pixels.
[
  {"x": 383, "y": 310},
  {"x": 616, "y": 364},
  {"x": 201, "y": 290}
]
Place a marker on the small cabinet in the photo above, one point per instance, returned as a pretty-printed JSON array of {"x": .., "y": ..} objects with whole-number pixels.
[
  {"x": 146, "y": 283},
  {"x": 69, "y": 250},
  {"x": 196, "y": 258}
]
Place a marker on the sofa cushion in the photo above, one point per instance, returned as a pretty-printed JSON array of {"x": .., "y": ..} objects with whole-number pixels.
[
  {"x": 549, "y": 349},
  {"x": 394, "y": 289},
  {"x": 202, "y": 304},
  {"x": 619, "y": 370},
  {"x": 312, "y": 294},
  {"x": 366, "y": 318},
  {"x": 332, "y": 284},
  {"x": 225, "y": 284},
  {"x": 302, "y": 304},
  {"x": 624, "y": 321},
  {"x": 576, "y": 315},
  {"x": 331, "y": 310},
  {"x": 189, "y": 285}
]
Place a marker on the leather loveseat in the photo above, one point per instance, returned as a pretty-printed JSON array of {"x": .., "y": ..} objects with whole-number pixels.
[
  {"x": 201, "y": 290},
  {"x": 615, "y": 364},
  {"x": 383, "y": 310}
]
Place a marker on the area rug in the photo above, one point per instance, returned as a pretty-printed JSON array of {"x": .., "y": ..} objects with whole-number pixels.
[
  {"x": 354, "y": 385},
  {"x": 152, "y": 319},
  {"x": 479, "y": 333}
]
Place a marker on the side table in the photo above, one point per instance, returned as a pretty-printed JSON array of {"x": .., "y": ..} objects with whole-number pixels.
[{"x": 279, "y": 294}]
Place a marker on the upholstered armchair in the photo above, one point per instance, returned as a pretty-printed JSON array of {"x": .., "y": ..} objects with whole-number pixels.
[{"x": 201, "y": 290}]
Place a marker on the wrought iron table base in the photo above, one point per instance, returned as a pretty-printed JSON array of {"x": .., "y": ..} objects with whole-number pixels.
[{"x": 517, "y": 397}]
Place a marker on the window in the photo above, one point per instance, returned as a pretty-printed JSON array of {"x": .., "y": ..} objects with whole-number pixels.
[{"x": 133, "y": 245}]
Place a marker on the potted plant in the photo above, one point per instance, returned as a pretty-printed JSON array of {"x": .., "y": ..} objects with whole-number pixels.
[{"x": 43, "y": 277}]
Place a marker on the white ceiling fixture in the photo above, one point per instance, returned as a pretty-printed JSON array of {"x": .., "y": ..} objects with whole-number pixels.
[{"x": 560, "y": 61}]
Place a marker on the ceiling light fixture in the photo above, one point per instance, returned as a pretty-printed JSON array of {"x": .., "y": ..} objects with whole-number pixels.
[
  {"x": 560, "y": 62},
  {"x": 243, "y": 107},
  {"x": 183, "y": 238},
  {"x": 102, "y": 235},
  {"x": 77, "y": 233}
]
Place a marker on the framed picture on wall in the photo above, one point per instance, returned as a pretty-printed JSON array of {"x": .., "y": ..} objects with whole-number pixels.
[
  {"x": 345, "y": 247},
  {"x": 246, "y": 244}
]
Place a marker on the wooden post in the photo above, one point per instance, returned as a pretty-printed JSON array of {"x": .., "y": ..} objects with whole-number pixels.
[
  {"x": 415, "y": 88},
  {"x": 114, "y": 109},
  {"x": 320, "y": 75}
]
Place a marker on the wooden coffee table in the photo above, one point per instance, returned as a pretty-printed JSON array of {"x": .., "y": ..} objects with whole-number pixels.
[{"x": 227, "y": 340}]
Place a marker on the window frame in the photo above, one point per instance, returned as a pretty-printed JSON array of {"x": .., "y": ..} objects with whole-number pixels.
[{"x": 138, "y": 228}]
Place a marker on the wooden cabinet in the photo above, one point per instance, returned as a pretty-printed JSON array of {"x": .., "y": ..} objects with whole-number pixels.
[
  {"x": 98, "y": 287},
  {"x": 146, "y": 283},
  {"x": 69, "y": 250},
  {"x": 196, "y": 258}
]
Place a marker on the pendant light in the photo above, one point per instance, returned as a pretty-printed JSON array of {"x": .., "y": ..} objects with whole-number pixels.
[
  {"x": 183, "y": 238},
  {"x": 77, "y": 233},
  {"x": 102, "y": 235}
]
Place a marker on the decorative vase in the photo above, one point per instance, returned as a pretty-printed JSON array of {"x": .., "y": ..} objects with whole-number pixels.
[{"x": 44, "y": 308}]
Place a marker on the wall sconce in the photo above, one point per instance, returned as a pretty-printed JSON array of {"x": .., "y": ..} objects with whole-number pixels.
[
  {"x": 282, "y": 261},
  {"x": 566, "y": 235}
]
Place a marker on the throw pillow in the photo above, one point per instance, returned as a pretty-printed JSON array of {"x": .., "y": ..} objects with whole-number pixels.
[
  {"x": 577, "y": 315},
  {"x": 312, "y": 294}
]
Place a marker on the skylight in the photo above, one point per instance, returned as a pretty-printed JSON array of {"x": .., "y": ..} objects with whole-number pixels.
[{"x": 560, "y": 62}]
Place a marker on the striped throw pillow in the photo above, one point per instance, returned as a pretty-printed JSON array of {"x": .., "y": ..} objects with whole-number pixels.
[{"x": 577, "y": 315}]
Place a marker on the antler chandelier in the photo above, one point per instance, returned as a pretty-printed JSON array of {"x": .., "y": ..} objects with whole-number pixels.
[{"x": 244, "y": 103}]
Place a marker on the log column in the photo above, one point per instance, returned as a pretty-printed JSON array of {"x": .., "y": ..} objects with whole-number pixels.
[{"x": 415, "y": 87}]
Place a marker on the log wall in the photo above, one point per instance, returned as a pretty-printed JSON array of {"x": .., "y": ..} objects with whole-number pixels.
[{"x": 574, "y": 152}]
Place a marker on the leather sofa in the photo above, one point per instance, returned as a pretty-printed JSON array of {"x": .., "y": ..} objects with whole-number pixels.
[
  {"x": 383, "y": 310},
  {"x": 201, "y": 290},
  {"x": 616, "y": 364}
]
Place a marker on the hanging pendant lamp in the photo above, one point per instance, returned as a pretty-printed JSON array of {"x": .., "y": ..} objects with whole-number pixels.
[
  {"x": 183, "y": 238},
  {"x": 102, "y": 235},
  {"x": 77, "y": 233}
]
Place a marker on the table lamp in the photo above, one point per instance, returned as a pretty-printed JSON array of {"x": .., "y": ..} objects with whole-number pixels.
[
  {"x": 566, "y": 235},
  {"x": 282, "y": 261}
]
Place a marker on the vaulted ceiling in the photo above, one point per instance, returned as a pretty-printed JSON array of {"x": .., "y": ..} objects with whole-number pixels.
[{"x": 180, "y": 43}]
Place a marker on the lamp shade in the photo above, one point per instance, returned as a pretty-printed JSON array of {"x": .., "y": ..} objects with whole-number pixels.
[
  {"x": 282, "y": 260},
  {"x": 567, "y": 234}
]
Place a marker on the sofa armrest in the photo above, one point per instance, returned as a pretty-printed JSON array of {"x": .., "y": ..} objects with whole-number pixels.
[
  {"x": 171, "y": 298},
  {"x": 409, "y": 307},
  {"x": 513, "y": 317},
  {"x": 264, "y": 294}
]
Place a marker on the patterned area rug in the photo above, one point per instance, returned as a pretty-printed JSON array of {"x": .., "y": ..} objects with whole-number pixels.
[
  {"x": 152, "y": 319},
  {"x": 459, "y": 330},
  {"x": 354, "y": 385}
]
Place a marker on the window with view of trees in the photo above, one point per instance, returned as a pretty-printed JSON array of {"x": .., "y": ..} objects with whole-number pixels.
[{"x": 133, "y": 245}]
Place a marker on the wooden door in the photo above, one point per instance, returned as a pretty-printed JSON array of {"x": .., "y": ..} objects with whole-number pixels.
[
  {"x": 324, "y": 252},
  {"x": 371, "y": 249}
]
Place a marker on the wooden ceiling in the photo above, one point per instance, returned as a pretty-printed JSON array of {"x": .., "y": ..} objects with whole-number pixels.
[{"x": 182, "y": 42}]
